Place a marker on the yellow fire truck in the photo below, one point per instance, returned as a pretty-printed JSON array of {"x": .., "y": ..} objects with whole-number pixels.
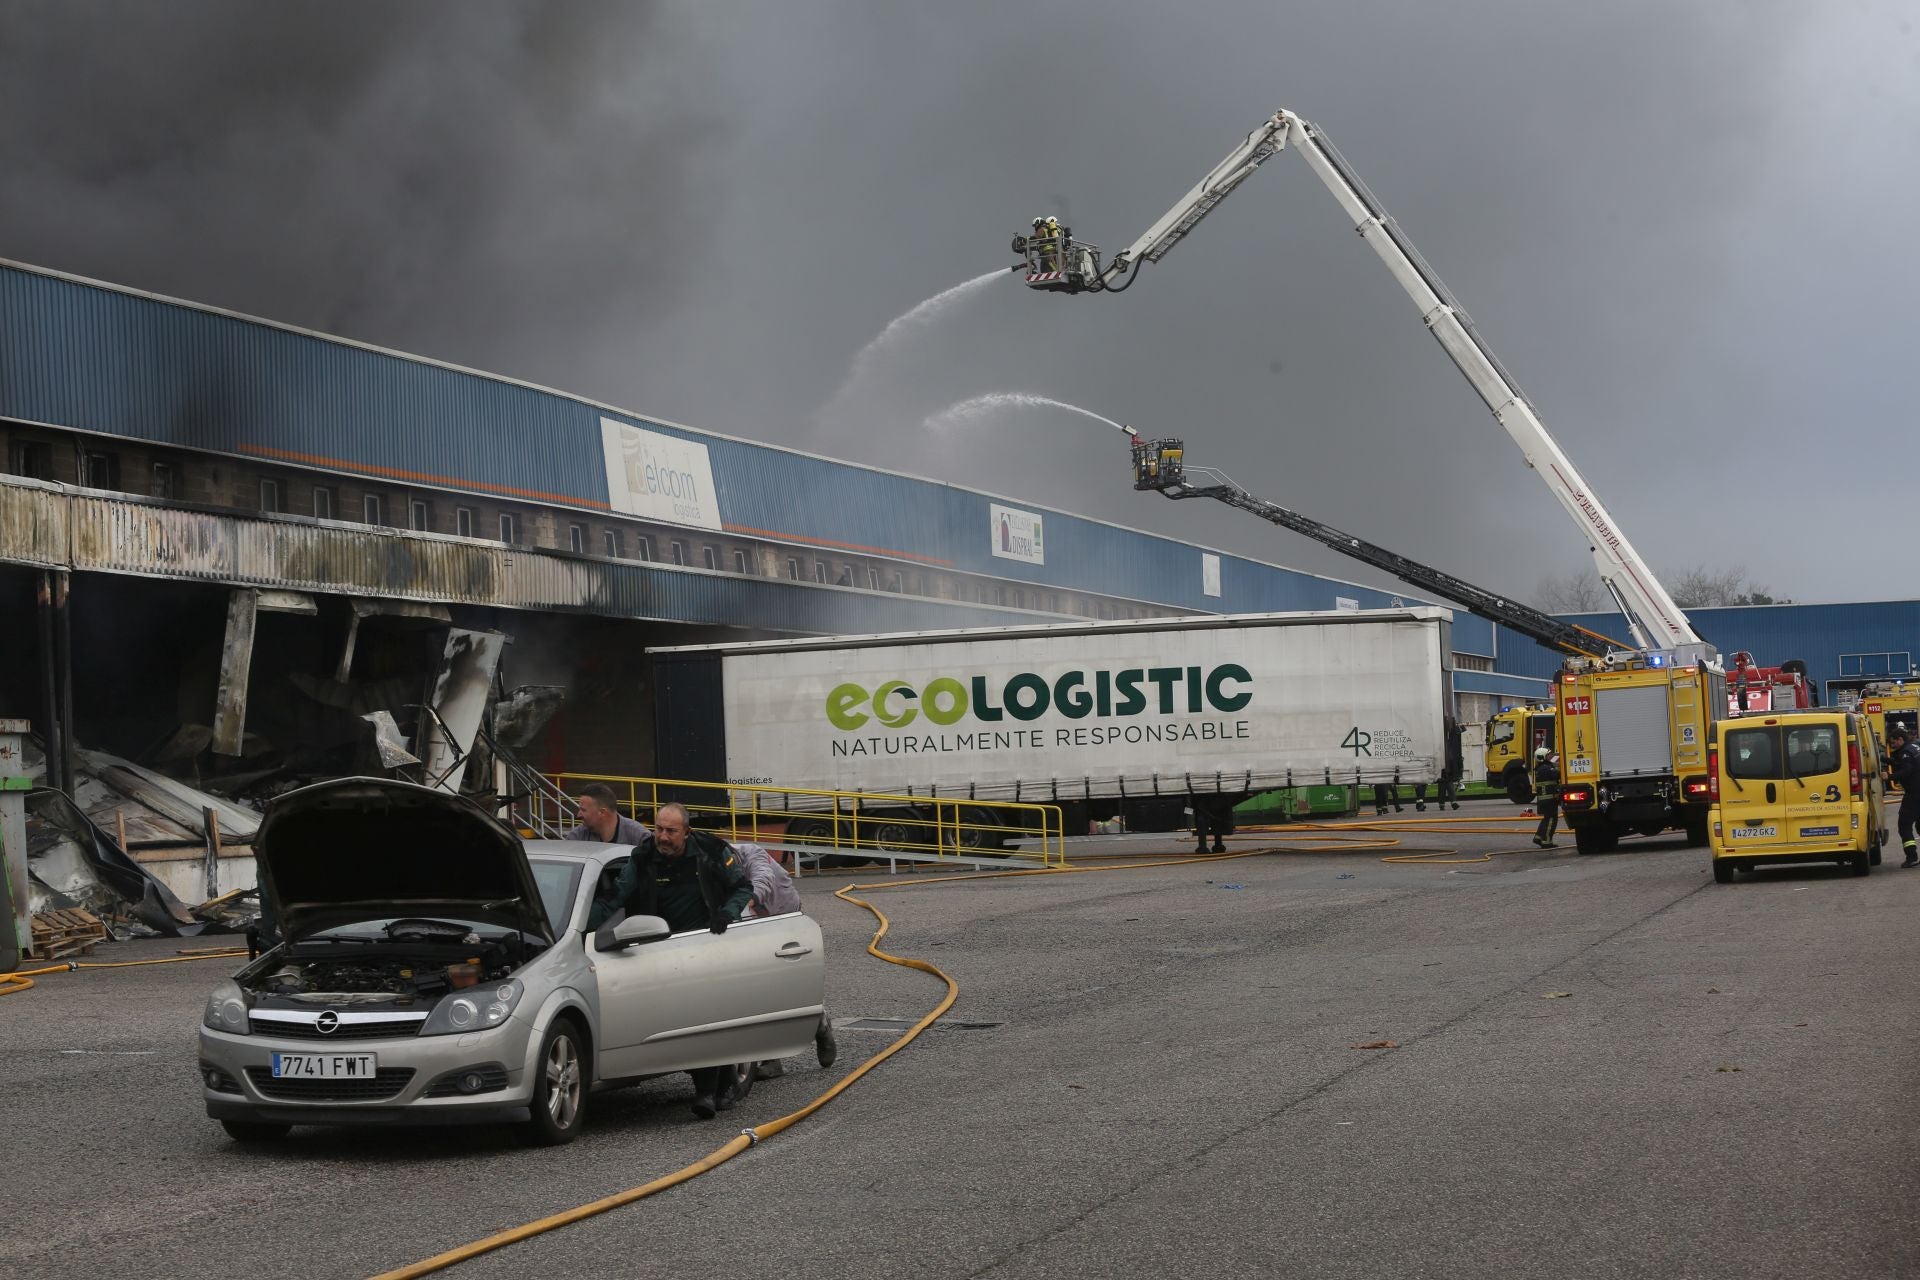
[
  {"x": 1633, "y": 733},
  {"x": 1890, "y": 703},
  {"x": 1512, "y": 736}
]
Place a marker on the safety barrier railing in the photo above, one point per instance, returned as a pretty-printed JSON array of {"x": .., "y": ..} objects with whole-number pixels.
[{"x": 817, "y": 825}]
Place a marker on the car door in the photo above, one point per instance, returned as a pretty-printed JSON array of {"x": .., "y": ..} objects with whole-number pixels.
[{"x": 699, "y": 999}]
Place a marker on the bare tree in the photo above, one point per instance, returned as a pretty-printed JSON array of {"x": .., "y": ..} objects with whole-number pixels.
[
  {"x": 1701, "y": 587},
  {"x": 1575, "y": 593}
]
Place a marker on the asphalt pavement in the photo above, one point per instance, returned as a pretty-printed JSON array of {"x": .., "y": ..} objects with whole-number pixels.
[{"x": 1589, "y": 1067}]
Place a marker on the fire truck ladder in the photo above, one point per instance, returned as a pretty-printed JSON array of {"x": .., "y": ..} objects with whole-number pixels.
[{"x": 1160, "y": 465}]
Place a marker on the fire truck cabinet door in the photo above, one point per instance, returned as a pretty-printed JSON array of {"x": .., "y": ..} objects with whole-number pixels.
[{"x": 1635, "y": 730}]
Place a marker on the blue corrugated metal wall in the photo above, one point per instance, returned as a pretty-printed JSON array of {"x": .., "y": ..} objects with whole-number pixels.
[
  {"x": 1819, "y": 634},
  {"x": 95, "y": 358}
]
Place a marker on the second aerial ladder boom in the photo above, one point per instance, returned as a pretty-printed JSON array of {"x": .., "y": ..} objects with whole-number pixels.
[
  {"x": 1160, "y": 465},
  {"x": 1655, "y": 620}
]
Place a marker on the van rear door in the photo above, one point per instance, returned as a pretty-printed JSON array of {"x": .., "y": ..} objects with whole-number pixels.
[
  {"x": 1753, "y": 818},
  {"x": 1784, "y": 785}
]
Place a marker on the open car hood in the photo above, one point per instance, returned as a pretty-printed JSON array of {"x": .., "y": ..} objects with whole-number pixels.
[{"x": 364, "y": 848}]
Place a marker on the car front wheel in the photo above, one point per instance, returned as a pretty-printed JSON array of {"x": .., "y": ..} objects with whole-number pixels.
[{"x": 560, "y": 1087}]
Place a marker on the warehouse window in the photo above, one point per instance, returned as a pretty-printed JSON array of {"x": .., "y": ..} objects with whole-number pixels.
[
  {"x": 322, "y": 502},
  {"x": 873, "y": 578},
  {"x": 819, "y": 570},
  {"x": 740, "y": 561},
  {"x": 371, "y": 509},
  {"x": 793, "y": 569},
  {"x": 100, "y": 470},
  {"x": 679, "y": 550},
  {"x": 895, "y": 584},
  {"x": 420, "y": 515},
  {"x": 463, "y": 521},
  {"x": 645, "y": 548},
  {"x": 577, "y": 539},
  {"x": 509, "y": 528},
  {"x": 612, "y": 538},
  {"x": 710, "y": 557},
  {"x": 31, "y": 458},
  {"x": 163, "y": 481},
  {"x": 269, "y": 495}
]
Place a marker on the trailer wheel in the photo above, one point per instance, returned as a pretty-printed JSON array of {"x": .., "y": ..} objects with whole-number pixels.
[
  {"x": 819, "y": 831},
  {"x": 976, "y": 830}
]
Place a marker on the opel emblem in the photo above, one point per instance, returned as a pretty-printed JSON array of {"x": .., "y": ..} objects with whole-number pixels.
[{"x": 326, "y": 1022}]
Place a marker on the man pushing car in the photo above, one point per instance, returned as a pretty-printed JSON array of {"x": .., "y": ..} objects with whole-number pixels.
[{"x": 692, "y": 880}]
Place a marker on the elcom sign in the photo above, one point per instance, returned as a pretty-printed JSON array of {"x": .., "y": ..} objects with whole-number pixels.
[{"x": 659, "y": 477}]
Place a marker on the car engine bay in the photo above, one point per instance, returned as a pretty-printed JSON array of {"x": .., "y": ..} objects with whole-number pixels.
[{"x": 417, "y": 960}]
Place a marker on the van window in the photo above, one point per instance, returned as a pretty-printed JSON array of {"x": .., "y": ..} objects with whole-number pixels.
[
  {"x": 1752, "y": 753},
  {"x": 1812, "y": 748},
  {"x": 1761, "y": 752}
]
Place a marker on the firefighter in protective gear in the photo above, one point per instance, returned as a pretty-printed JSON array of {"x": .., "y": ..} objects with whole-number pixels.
[
  {"x": 1903, "y": 767},
  {"x": 1047, "y": 231},
  {"x": 1546, "y": 788}
]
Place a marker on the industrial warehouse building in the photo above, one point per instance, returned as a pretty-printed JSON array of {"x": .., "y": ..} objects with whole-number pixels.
[{"x": 165, "y": 456}]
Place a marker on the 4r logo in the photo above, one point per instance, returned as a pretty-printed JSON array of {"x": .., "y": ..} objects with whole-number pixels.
[{"x": 1357, "y": 742}]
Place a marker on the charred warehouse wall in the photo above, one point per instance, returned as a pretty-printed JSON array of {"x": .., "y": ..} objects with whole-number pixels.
[{"x": 146, "y": 672}]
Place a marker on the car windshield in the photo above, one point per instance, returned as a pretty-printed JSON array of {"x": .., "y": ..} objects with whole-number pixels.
[
  {"x": 1502, "y": 731},
  {"x": 556, "y": 881}
]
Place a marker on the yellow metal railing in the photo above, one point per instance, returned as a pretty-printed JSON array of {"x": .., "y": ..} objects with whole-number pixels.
[{"x": 826, "y": 823}]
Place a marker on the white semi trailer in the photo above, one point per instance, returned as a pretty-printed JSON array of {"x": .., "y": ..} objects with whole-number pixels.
[{"x": 1128, "y": 718}]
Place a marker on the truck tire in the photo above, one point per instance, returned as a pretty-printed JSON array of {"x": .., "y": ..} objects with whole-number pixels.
[
  {"x": 1596, "y": 837},
  {"x": 903, "y": 835},
  {"x": 976, "y": 830},
  {"x": 1519, "y": 786},
  {"x": 1722, "y": 871},
  {"x": 1858, "y": 863},
  {"x": 820, "y": 831}
]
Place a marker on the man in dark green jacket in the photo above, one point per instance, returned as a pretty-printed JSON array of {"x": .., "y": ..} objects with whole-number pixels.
[{"x": 692, "y": 880}]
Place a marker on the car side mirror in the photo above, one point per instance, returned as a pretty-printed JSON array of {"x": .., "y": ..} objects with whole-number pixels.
[{"x": 630, "y": 932}]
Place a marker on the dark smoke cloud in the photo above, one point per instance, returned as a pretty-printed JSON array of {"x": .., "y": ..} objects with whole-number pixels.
[
  {"x": 455, "y": 179},
  {"x": 1678, "y": 224}
]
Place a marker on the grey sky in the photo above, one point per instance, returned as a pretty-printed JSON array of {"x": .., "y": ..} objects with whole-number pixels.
[{"x": 1682, "y": 226}]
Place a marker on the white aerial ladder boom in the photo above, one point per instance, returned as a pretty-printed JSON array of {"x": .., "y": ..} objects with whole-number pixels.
[{"x": 1656, "y": 621}]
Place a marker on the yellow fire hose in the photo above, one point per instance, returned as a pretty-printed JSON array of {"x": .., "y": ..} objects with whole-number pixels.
[
  {"x": 750, "y": 1137},
  {"x": 21, "y": 979},
  {"x": 1359, "y": 841}
]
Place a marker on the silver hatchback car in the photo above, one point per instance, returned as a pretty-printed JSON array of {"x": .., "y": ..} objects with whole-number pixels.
[{"x": 432, "y": 968}]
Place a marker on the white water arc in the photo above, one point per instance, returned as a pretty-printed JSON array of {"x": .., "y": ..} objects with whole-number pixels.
[
  {"x": 904, "y": 325},
  {"x": 994, "y": 402}
]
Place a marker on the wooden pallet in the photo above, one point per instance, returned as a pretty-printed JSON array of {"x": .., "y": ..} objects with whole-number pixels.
[{"x": 58, "y": 934}]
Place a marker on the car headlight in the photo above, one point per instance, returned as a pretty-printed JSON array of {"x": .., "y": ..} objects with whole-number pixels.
[
  {"x": 475, "y": 1009},
  {"x": 227, "y": 1009}
]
